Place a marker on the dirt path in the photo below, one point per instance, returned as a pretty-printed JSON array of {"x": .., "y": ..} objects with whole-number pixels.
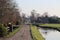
[{"x": 22, "y": 34}]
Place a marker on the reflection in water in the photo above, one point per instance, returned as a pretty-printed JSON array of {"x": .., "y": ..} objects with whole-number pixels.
[{"x": 50, "y": 34}]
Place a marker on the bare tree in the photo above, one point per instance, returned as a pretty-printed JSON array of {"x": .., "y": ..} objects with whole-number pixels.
[
  {"x": 33, "y": 16},
  {"x": 45, "y": 14},
  {"x": 23, "y": 18},
  {"x": 8, "y": 11}
]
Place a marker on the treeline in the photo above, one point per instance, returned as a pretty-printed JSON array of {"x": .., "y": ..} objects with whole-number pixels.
[
  {"x": 54, "y": 20},
  {"x": 45, "y": 18}
]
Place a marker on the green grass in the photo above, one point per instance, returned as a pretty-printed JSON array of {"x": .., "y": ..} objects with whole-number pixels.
[
  {"x": 35, "y": 33},
  {"x": 13, "y": 33},
  {"x": 51, "y": 25}
]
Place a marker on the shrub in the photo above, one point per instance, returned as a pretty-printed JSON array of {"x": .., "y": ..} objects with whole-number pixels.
[{"x": 3, "y": 30}]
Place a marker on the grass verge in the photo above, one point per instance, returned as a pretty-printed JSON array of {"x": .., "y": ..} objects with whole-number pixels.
[
  {"x": 35, "y": 33},
  {"x": 13, "y": 33}
]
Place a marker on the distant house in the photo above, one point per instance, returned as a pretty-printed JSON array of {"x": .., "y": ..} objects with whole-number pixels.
[
  {"x": 45, "y": 20},
  {"x": 27, "y": 21},
  {"x": 39, "y": 19},
  {"x": 42, "y": 20}
]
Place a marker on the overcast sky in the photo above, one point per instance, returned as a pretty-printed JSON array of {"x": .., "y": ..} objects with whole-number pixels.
[{"x": 41, "y": 6}]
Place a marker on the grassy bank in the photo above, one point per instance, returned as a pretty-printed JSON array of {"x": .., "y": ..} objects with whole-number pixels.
[
  {"x": 51, "y": 25},
  {"x": 35, "y": 33},
  {"x": 13, "y": 33}
]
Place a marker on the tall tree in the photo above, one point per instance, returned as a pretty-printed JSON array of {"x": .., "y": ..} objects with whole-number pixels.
[
  {"x": 8, "y": 11},
  {"x": 33, "y": 12}
]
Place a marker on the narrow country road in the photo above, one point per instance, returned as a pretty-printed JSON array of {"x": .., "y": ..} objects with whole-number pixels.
[{"x": 22, "y": 34}]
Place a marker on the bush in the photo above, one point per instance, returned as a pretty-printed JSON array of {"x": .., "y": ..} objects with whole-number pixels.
[
  {"x": 53, "y": 20},
  {"x": 3, "y": 30}
]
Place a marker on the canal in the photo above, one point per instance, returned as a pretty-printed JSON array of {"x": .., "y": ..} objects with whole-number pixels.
[{"x": 49, "y": 34}]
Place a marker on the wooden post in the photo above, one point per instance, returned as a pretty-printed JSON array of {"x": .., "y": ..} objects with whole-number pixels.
[{"x": 12, "y": 27}]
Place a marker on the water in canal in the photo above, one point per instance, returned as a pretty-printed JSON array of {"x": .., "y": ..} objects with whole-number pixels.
[{"x": 50, "y": 34}]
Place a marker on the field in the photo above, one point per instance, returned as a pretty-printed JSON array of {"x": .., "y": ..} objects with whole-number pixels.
[
  {"x": 51, "y": 25},
  {"x": 35, "y": 33}
]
